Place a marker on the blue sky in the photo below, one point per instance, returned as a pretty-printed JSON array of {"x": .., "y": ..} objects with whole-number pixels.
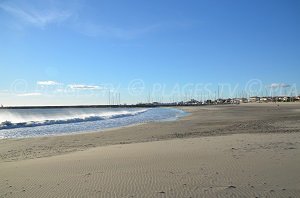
[{"x": 80, "y": 52}]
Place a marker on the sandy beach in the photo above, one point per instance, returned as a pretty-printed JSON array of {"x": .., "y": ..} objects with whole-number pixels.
[{"x": 249, "y": 150}]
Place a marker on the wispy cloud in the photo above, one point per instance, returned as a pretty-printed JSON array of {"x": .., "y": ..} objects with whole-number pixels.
[
  {"x": 279, "y": 85},
  {"x": 72, "y": 15},
  {"x": 30, "y": 94},
  {"x": 84, "y": 87},
  {"x": 4, "y": 92},
  {"x": 36, "y": 17},
  {"x": 48, "y": 83}
]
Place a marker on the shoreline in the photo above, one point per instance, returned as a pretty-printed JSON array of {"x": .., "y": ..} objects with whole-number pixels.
[
  {"x": 201, "y": 121},
  {"x": 84, "y": 122},
  {"x": 86, "y": 131}
]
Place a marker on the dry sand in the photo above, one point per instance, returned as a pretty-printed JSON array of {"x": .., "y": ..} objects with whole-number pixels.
[{"x": 219, "y": 151}]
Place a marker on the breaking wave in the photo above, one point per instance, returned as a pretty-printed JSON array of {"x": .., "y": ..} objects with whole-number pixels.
[{"x": 81, "y": 118}]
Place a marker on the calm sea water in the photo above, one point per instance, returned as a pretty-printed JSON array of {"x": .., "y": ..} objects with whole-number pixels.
[{"x": 22, "y": 123}]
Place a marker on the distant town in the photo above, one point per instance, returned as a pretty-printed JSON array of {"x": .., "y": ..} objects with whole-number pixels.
[
  {"x": 253, "y": 99},
  {"x": 191, "y": 102}
]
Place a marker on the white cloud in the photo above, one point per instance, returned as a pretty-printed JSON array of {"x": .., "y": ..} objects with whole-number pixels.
[
  {"x": 30, "y": 94},
  {"x": 84, "y": 87},
  {"x": 47, "y": 83},
  {"x": 46, "y": 12},
  {"x": 4, "y": 92},
  {"x": 36, "y": 17},
  {"x": 279, "y": 85}
]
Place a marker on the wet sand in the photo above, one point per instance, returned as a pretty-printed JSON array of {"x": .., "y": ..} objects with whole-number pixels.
[{"x": 240, "y": 151}]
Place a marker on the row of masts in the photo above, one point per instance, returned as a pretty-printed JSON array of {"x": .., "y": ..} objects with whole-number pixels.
[{"x": 114, "y": 98}]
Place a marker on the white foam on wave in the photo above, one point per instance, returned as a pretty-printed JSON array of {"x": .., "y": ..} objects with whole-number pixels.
[{"x": 73, "y": 118}]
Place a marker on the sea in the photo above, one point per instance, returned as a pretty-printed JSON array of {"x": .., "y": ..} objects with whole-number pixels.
[{"x": 25, "y": 123}]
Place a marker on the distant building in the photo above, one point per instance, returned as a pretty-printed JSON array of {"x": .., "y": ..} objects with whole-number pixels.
[
  {"x": 221, "y": 101},
  {"x": 286, "y": 99},
  {"x": 193, "y": 102},
  {"x": 228, "y": 101},
  {"x": 254, "y": 99},
  {"x": 208, "y": 102},
  {"x": 242, "y": 100},
  {"x": 265, "y": 99}
]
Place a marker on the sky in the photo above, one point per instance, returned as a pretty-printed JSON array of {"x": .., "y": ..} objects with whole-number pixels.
[{"x": 74, "y": 52}]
